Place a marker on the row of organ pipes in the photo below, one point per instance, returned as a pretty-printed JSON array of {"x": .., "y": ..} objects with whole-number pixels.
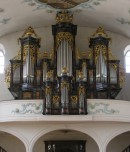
[{"x": 64, "y": 80}]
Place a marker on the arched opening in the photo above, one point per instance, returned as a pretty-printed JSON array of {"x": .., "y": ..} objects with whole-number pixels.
[
  {"x": 119, "y": 143},
  {"x": 127, "y": 59},
  {"x": 1, "y": 62},
  {"x": 2, "y": 58},
  {"x": 66, "y": 135},
  {"x": 10, "y": 143}
]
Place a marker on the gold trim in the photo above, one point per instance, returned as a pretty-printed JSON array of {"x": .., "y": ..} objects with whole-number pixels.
[
  {"x": 64, "y": 35},
  {"x": 29, "y": 32},
  {"x": 64, "y": 16},
  {"x": 80, "y": 76},
  {"x": 47, "y": 90},
  {"x": 56, "y": 99},
  {"x": 46, "y": 55},
  {"x": 81, "y": 55},
  {"x": 81, "y": 90},
  {"x": 7, "y": 75},
  {"x": 64, "y": 84},
  {"x": 74, "y": 99},
  {"x": 65, "y": 70},
  {"x": 103, "y": 48},
  {"x": 49, "y": 74},
  {"x": 100, "y": 32}
]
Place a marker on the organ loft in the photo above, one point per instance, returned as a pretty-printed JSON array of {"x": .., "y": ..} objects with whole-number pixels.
[{"x": 64, "y": 78}]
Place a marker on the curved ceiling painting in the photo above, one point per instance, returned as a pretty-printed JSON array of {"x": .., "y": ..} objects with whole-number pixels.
[{"x": 62, "y": 4}]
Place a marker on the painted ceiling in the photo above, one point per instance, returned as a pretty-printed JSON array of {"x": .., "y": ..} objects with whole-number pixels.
[{"x": 17, "y": 15}]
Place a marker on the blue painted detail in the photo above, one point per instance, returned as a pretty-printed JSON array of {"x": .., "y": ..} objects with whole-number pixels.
[
  {"x": 123, "y": 21},
  {"x": 100, "y": 108},
  {"x": 4, "y": 20},
  {"x": 96, "y": 108},
  {"x": 29, "y": 108}
]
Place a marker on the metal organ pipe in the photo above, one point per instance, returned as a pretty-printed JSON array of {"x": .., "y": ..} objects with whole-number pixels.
[
  {"x": 28, "y": 72},
  {"x": 64, "y": 58},
  {"x": 84, "y": 70},
  {"x": 44, "y": 71}
]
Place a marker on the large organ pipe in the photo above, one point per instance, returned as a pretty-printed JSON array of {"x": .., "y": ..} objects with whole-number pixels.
[
  {"x": 28, "y": 69},
  {"x": 44, "y": 71},
  {"x": 101, "y": 68},
  {"x": 84, "y": 71},
  {"x": 64, "y": 58}
]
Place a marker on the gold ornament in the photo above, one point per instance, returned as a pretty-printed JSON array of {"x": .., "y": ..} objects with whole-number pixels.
[
  {"x": 64, "y": 16},
  {"x": 64, "y": 70},
  {"x": 64, "y": 35},
  {"x": 100, "y": 32}
]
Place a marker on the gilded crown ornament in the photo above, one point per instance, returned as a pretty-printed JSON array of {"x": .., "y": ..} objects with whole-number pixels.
[
  {"x": 29, "y": 32},
  {"x": 64, "y": 16},
  {"x": 100, "y": 32}
]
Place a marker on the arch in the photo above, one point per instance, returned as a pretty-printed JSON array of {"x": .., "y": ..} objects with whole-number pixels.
[
  {"x": 87, "y": 131},
  {"x": 16, "y": 134},
  {"x": 2, "y": 57},
  {"x": 127, "y": 59},
  {"x": 115, "y": 134}
]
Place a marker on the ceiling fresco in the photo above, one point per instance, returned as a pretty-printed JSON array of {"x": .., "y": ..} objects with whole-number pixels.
[
  {"x": 62, "y": 4},
  {"x": 123, "y": 21},
  {"x": 74, "y": 5},
  {"x": 114, "y": 16},
  {"x": 3, "y": 20}
]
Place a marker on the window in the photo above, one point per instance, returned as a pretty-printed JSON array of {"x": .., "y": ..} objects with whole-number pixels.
[
  {"x": 1, "y": 62},
  {"x": 127, "y": 59}
]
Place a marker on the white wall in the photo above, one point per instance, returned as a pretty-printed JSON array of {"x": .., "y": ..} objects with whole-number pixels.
[
  {"x": 117, "y": 46},
  {"x": 4, "y": 92}
]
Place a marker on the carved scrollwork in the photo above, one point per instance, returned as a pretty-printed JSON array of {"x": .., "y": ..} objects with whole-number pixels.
[{"x": 64, "y": 35}]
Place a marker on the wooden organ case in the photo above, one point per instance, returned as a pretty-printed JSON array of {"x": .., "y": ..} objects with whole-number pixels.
[{"x": 63, "y": 79}]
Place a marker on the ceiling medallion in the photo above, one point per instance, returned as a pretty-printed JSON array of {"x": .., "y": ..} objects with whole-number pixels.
[{"x": 62, "y": 4}]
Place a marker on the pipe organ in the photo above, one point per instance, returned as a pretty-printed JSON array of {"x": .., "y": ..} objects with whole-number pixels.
[{"x": 64, "y": 79}]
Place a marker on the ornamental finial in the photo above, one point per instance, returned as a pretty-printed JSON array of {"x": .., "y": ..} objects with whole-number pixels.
[
  {"x": 64, "y": 16},
  {"x": 29, "y": 32},
  {"x": 100, "y": 32}
]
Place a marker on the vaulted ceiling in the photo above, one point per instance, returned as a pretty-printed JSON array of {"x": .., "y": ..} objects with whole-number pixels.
[{"x": 17, "y": 15}]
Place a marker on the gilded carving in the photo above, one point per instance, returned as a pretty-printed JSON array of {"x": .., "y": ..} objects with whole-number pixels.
[
  {"x": 48, "y": 90},
  {"x": 65, "y": 70},
  {"x": 56, "y": 100},
  {"x": 74, "y": 99},
  {"x": 49, "y": 74},
  {"x": 64, "y": 84},
  {"x": 100, "y": 32},
  {"x": 29, "y": 32},
  {"x": 81, "y": 90},
  {"x": 64, "y": 35},
  {"x": 64, "y": 16},
  {"x": 7, "y": 75}
]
